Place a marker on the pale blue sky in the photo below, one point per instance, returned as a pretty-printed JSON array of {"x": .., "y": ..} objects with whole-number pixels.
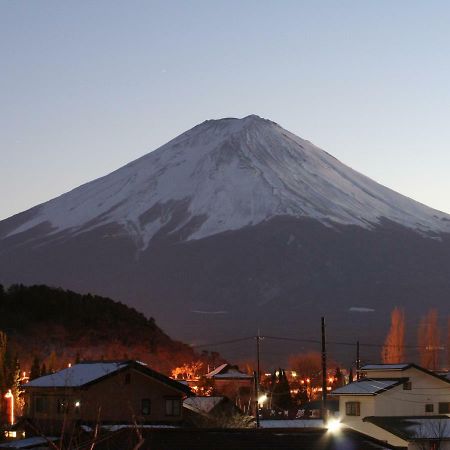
[{"x": 87, "y": 86}]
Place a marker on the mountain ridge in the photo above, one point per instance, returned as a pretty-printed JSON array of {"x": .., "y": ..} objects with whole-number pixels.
[{"x": 228, "y": 173}]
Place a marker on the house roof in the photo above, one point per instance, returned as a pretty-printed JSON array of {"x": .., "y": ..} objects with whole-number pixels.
[
  {"x": 227, "y": 371},
  {"x": 32, "y": 442},
  {"x": 368, "y": 386},
  {"x": 414, "y": 428},
  {"x": 86, "y": 373},
  {"x": 203, "y": 405},
  {"x": 386, "y": 366},
  {"x": 402, "y": 367}
]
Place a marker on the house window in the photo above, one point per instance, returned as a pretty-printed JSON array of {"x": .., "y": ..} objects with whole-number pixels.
[
  {"x": 352, "y": 408},
  {"x": 444, "y": 408},
  {"x": 407, "y": 386},
  {"x": 40, "y": 405},
  {"x": 146, "y": 406},
  {"x": 429, "y": 407},
  {"x": 127, "y": 378},
  {"x": 173, "y": 406}
]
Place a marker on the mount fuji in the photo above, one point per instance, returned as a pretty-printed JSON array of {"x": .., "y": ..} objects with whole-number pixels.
[{"x": 234, "y": 225}]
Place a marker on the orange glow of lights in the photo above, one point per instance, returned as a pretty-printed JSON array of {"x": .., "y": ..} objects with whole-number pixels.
[
  {"x": 331, "y": 379},
  {"x": 308, "y": 380},
  {"x": 10, "y": 408}
]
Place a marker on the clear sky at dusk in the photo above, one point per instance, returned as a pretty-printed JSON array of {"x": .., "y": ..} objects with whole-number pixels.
[{"x": 88, "y": 86}]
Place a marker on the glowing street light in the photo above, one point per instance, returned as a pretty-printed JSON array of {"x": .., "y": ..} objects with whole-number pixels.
[
  {"x": 334, "y": 426},
  {"x": 262, "y": 399}
]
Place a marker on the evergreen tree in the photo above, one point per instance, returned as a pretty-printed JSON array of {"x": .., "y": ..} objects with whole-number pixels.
[
  {"x": 281, "y": 392},
  {"x": 35, "y": 371},
  {"x": 43, "y": 369}
]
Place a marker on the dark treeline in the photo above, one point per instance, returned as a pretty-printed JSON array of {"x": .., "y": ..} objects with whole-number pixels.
[{"x": 58, "y": 326}]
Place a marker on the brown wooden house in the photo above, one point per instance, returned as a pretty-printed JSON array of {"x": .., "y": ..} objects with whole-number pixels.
[
  {"x": 126, "y": 392},
  {"x": 229, "y": 381}
]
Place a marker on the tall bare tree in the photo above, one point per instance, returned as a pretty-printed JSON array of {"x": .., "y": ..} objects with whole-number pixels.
[
  {"x": 429, "y": 340},
  {"x": 393, "y": 349}
]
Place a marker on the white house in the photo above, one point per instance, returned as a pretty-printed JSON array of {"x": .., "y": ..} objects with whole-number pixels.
[{"x": 398, "y": 403}]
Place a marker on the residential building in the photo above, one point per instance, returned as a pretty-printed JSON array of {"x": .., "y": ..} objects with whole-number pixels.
[
  {"x": 103, "y": 393},
  {"x": 227, "y": 380},
  {"x": 391, "y": 392}
]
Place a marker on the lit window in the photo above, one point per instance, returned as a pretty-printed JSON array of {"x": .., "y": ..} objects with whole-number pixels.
[
  {"x": 146, "y": 406},
  {"x": 407, "y": 386},
  {"x": 173, "y": 407},
  {"x": 352, "y": 408},
  {"x": 429, "y": 407}
]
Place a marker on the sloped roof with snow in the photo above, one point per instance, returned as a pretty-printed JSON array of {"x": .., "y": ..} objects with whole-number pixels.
[
  {"x": 227, "y": 371},
  {"x": 77, "y": 375},
  {"x": 85, "y": 373},
  {"x": 368, "y": 387},
  {"x": 202, "y": 404},
  {"x": 386, "y": 367},
  {"x": 415, "y": 428}
]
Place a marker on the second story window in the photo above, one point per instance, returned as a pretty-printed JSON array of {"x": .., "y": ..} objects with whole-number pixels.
[
  {"x": 353, "y": 408},
  {"x": 146, "y": 406},
  {"x": 407, "y": 386},
  {"x": 173, "y": 406},
  {"x": 429, "y": 407},
  {"x": 40, "y": 405},
  {"x": 444, "y": 408}
]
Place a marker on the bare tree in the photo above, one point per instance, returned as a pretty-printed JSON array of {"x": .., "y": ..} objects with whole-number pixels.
[
  {"x": 393, "y": 349},
  {"x": 430, "y": 434},
  {"x": 429, "y": 340}
]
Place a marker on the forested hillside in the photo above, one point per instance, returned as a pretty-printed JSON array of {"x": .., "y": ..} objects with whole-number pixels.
[{"x": 59, "y": 327}]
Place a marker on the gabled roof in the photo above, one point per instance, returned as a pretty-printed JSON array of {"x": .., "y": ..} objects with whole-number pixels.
[
  {"x": 202, "y": 405},
  {"x": 414, "y": 428},
  {"x": 402, "y": 367},
  {"x": 368, "y": 386},
  {"x": 386, "y": 366},
  {"x": 87, "y": 373},
  {"x": 227, "y": 371}
]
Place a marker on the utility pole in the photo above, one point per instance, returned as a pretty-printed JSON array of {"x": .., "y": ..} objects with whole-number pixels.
[
  {"x": 257, "y": 378},
  {"x": 324, "y": 374},
  {"x": 358, "y": 362}
]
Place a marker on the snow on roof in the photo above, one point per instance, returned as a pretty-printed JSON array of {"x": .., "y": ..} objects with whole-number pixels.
[
  {"x": 414, "y": 427},
  {"x": 366, "y": 387},
  {"x": 228, "y": 371},
  {"x": 293, "y": 423},
  {"x": 386, "y": 367},
  {"x": 78, "y": 375},
  {"x": 28, "y": 442},
  {"x": 202, "y": 404}
]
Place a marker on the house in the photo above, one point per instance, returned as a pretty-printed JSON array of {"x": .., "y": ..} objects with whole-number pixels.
[
  {"x": 103, "y": 393},
  {"x": 227, "y": 380},
  {"x": 390, "y": 391}
]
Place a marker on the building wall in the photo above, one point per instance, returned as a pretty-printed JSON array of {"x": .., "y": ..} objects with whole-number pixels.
[
  {"x": 112, "y": 400},
  {"x": 425, "y": 389}
]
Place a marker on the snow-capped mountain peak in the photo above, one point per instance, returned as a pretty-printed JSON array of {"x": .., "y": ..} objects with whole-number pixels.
[{"x": 224, "y": 175}]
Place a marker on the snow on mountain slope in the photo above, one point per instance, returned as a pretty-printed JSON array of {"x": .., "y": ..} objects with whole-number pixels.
[{"x": 224, "y": 175}]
